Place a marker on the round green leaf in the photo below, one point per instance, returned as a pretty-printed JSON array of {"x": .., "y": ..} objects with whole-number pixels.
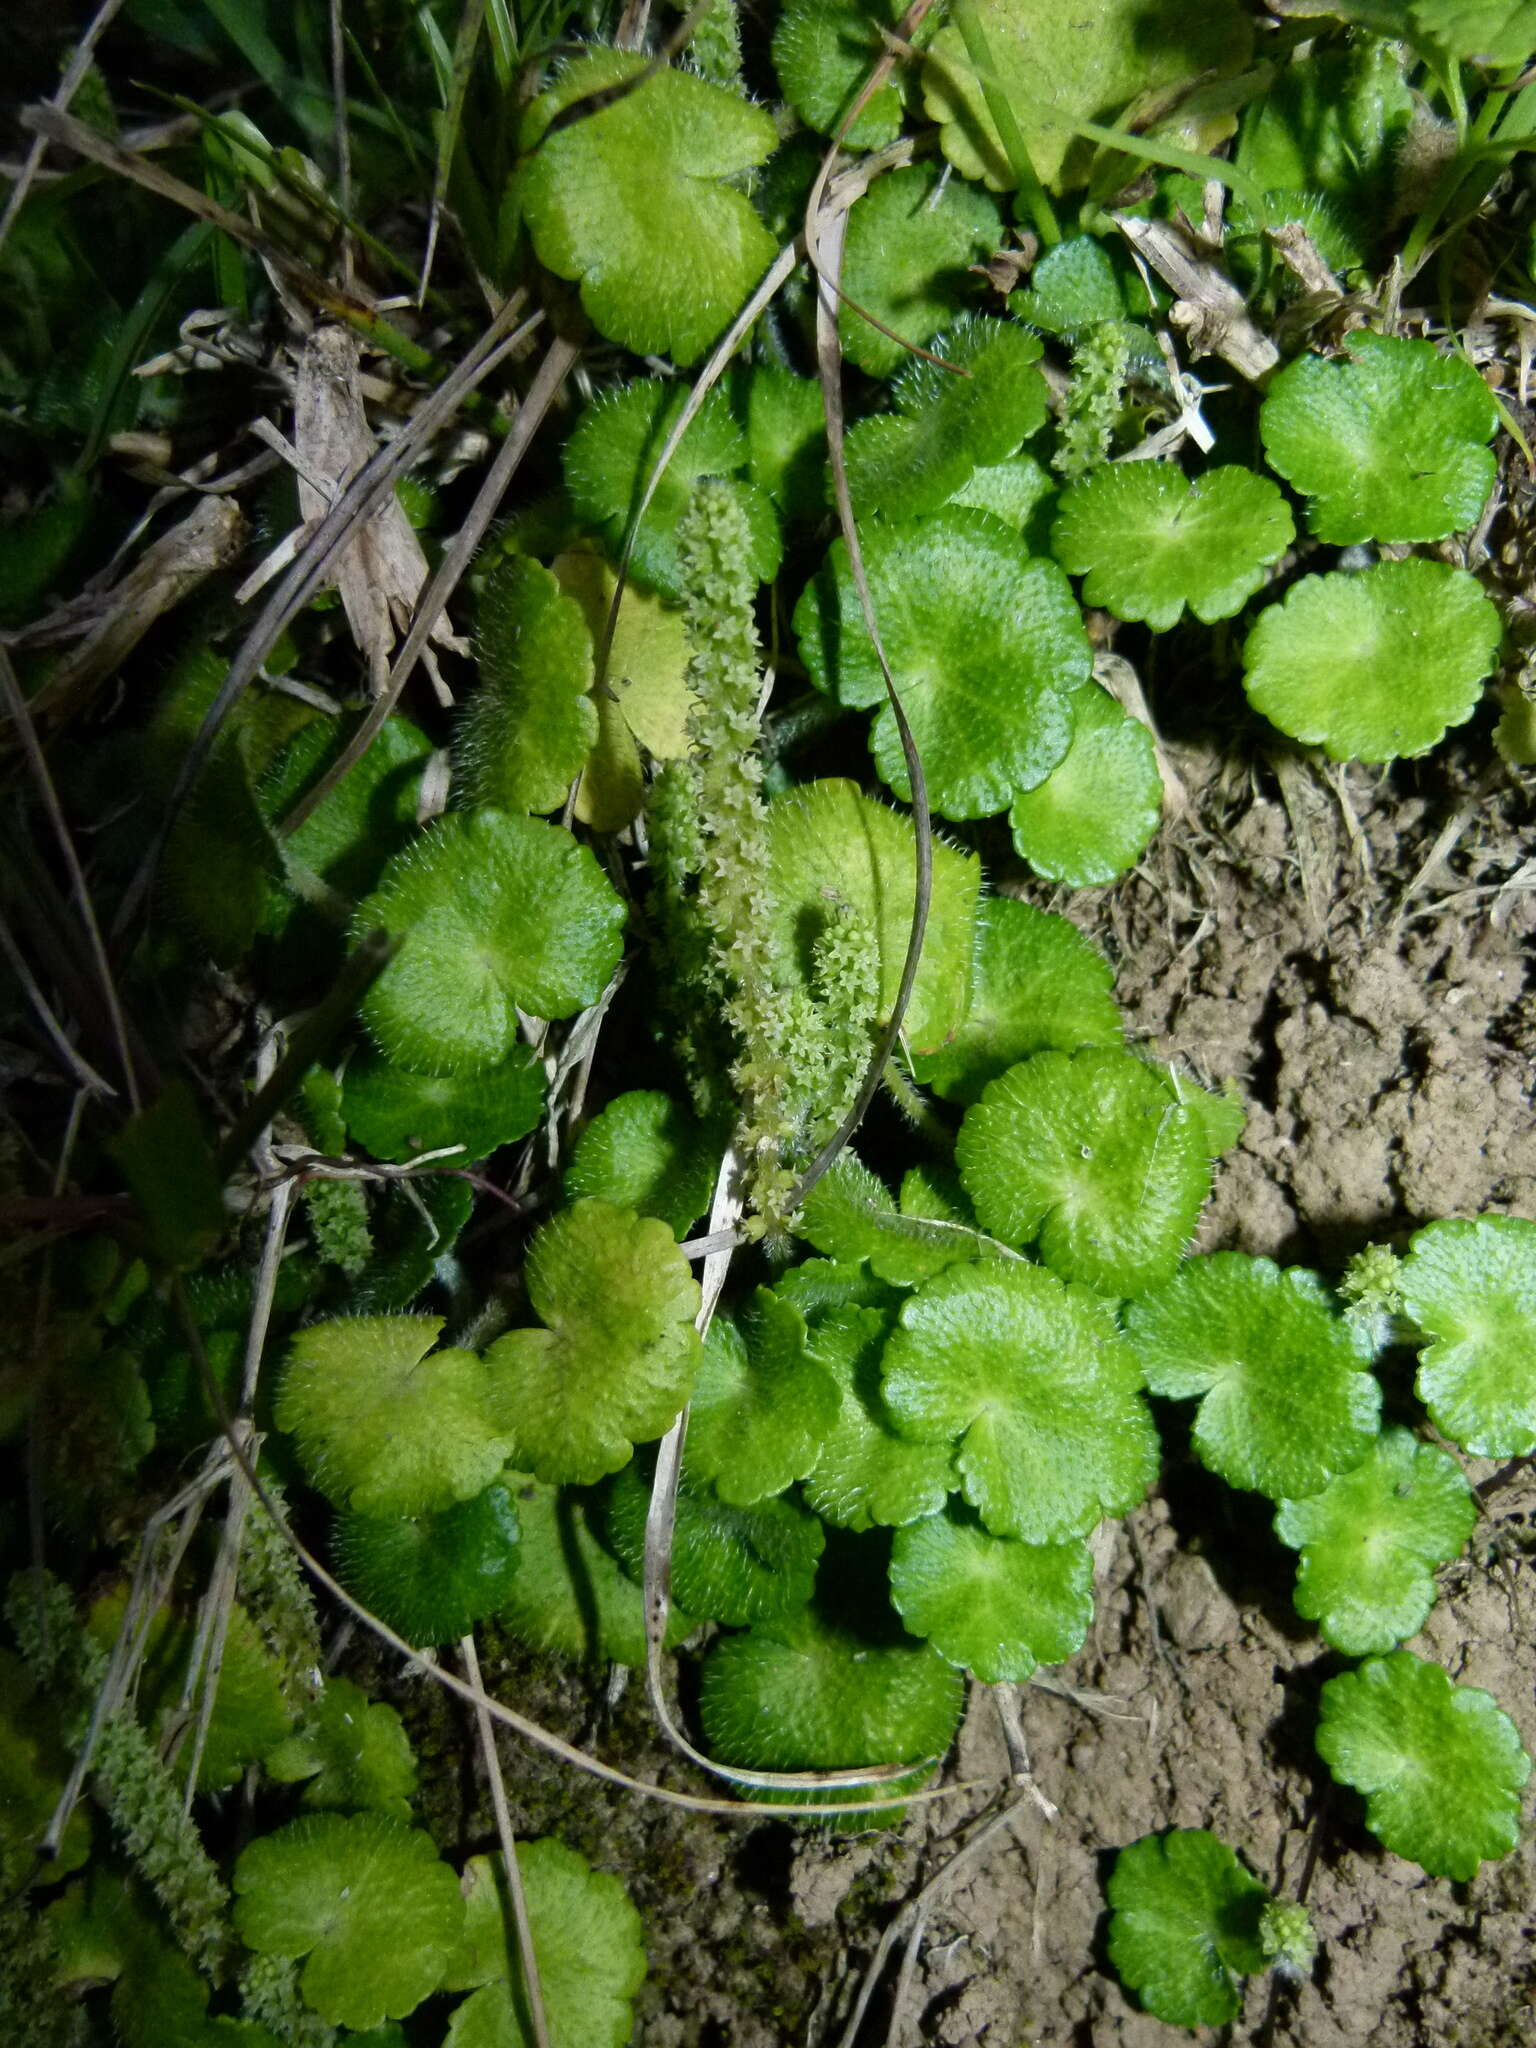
[
  {"x": 944, "y": 426},
  {"x": 1040, "y": 986},
  {"x": 587, "y": 1941},
  {"x": 523, "y": 736},
  {"x": 432, "y": 1577},
  {"x": 986, "y": 645},
  {"x": 910, "y": 243},
  {"x": 351, "y": 1752},
  {"x": 365, "y": 1899},
  {"x": 731, "y": 1564},
  {"x": 1149, "y": 542},
  {"x": 617, "y": 1360},
  {"x": 646, "y": 1152},
  {"x": 398, "y": 1114},
  {"x": 1095, "y": 813},
  {"x": 805, "y": 1694},
  {"x": 1184, "y": 1924},
  {"x": 1388, "y": 442},
  {"x": 1441, "y": 1765},
  {"x": 1495, "y": 33},
  {"x": 370, "y": 813},
  {"x": 1098, "y": 1156},
  {"x": 850, "y": 1216},
  {"x": 1374, "y": 665},
  {"x": 990, "y": 1604},
  {"x": 630, "y": 200},
  {"x": 1035, "y": 1381},
  {"x": 823, "y": 51},
  {"x": 1054, "y": 68},
  {"x": 868, "y": 1473},
  {"x": 384, "y": 1428},
  {"x": 609, "y": 459},
  {"x": 1470, "y": 1285},
  {"x": 494, "y": 913},
  {"x": 1287, "y": 1396},
  {"x": 762, "y": 1405},
  {"x": 569, "y": 1594},
  {"x": 1371, "y": 1539},
  {"x": 830, "y": 845}
]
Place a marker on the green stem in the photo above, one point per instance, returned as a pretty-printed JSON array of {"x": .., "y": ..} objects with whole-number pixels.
[{"x": 1000, "y": 107}]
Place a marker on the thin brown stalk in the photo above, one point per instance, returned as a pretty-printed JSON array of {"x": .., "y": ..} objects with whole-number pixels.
[
  {"x": 16, "y": 706},
  {"x": 69, "y": 85},
  {"x": 515, "y": 1892}
]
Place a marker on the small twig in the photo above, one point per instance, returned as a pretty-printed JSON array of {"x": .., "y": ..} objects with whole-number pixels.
[
  {"x": 921, "y": 1905},
  {"x": 69, "y": 85},
  {"x": 342, "y": 134},
  {"x": 21, "y": 718},
  {"x": 515, "y": 1892}
]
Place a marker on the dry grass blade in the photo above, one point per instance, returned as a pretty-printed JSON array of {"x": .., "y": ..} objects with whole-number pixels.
[
  {"x": 464, "y": 46},
  {"x": 827, "y": 233},
  {"x": 559, "y": 361},
  {"x": 69, "y": 85},
  {"x": 305, "y": 577},
  {"x": 917, "y": 1909},
  {"x": 164, "y": 576},
  {"x": 515, "y": 1892},
  {"x": 21, "y": 717},
  {"x": 660, "y": 1522}
]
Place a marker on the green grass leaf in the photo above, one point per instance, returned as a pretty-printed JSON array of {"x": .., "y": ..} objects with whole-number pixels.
[
  {"x": 385, "y": 1428},
  {"x": 525, "y": 733},
  {"x": 494, "y": 913},
  {"x": 1094, "y": 1154},
  {"x": 990, "y": 1604},
  {"x": 609, "y": 459},
  {"x": 588, "y": 1943},
  {"x": 365, "y": 1900},
  {"x": 910, "y": 243},
  {"x": 632, "y": 201},
  {"x": 1035, "y": 1382},
  {"x": 943, "y": 427},
  {"x": 1184, "y": 1925},
  {"x": 986, "y": 643},
  {"x": 1148, "y": 541},
  {"x": 1375, "y": 665},
  {"x": 1470, "y": 1285},
  {"x": 1387, "y": 443},
  {"x": 618, "y": 1357},
  {"x": 762, "y": 1405},
  {"x": 1370, "y": 1542},
  {"x": 1096, "y": 812},
  {"x": 1441, "y": 1765},
  {"x": 1053, "y": 73},
  {"x": 432, "y": 1576},
  {"x": 829, "y": 844},
  {"x": 1040, "y": 986},
  {"x": 1287, "y": 1399}
]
